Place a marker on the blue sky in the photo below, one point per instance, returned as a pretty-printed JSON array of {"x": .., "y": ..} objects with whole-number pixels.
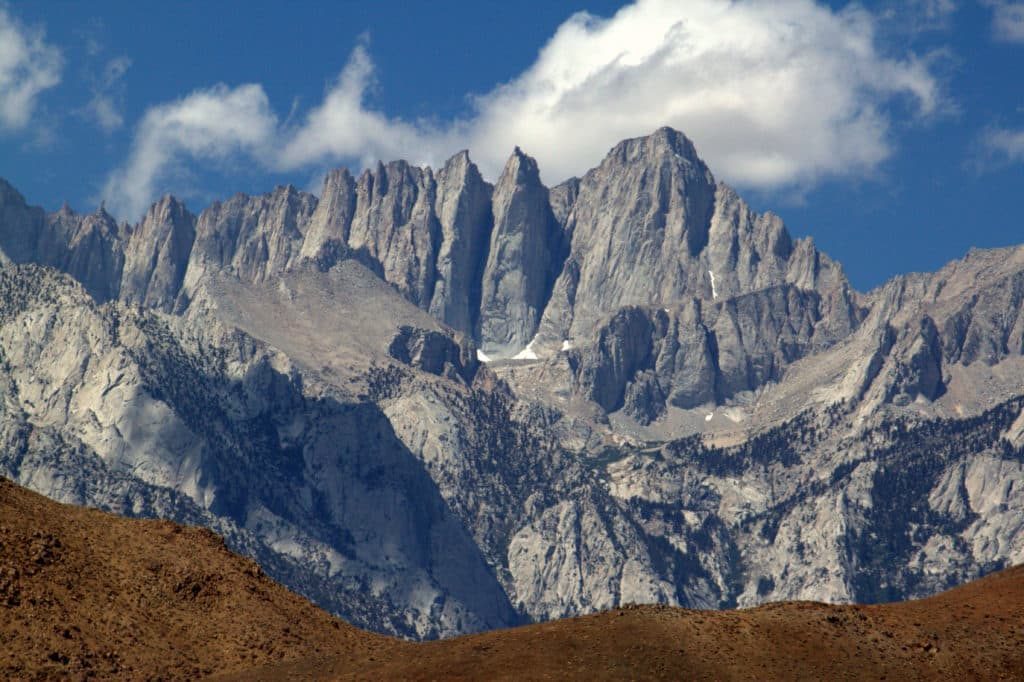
[{"x": 893, "y": 132}]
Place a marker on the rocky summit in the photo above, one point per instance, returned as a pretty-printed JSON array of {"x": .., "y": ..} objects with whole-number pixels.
[{"x": 436, "y": 406}]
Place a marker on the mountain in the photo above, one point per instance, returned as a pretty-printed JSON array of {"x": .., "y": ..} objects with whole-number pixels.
[
  {"x": 91, "y": 248},
  {"x": 434, "y": 405},
  {"x": 195, "y": 420},
  {"x": 83, "y": 593}
]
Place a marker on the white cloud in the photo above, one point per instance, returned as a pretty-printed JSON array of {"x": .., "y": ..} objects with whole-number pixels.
[
  {"x": 775, "y": 94},
  {"x": 343, "y": 127},
  {"x": 212, "y": 125},
  {"x": 28, "y": 66},
  {"x": 107, "y": 95},
  {"x": 1007, "y": 20},
  {"x": 1004, "y": 142}
]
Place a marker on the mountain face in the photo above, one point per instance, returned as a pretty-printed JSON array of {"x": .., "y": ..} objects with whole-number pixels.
[
  {"x": 157, "y": 254},
  {"x": 677, "y": 403},
  {"x": 524, "y": 255},
  {"x": 91, "y": 248},
  {"x": 644, "y": 359}
]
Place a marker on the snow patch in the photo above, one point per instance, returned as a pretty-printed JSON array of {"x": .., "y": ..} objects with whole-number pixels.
[
  {"x": 566, "y": 345},
  {"x": 714, "y": 291},
  {"x": 708, "y": 417},
  {"x": 482, "y": 356},
  {"x": 526, "y": 353}
]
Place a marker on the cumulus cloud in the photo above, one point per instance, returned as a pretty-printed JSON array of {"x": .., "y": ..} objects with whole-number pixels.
[
  {"x": 212, "y": 125},
  {"x": 108, "y": 94},
  {"x": 344, "y": 127},
  {"x": 28, "y": 66},
  {"x": 775, "y": 93},
  {"x": 1007, "y": 20}
]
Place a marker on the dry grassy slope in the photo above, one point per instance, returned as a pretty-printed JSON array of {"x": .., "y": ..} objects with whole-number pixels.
[
  {"x": 973, "y": 632},
  {"x": 85, "y": 593}
]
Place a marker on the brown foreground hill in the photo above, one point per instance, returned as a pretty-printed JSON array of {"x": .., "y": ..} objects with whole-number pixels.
[
  {"x": 86, "y": 594},
  {"x": 89, "y": 594}
]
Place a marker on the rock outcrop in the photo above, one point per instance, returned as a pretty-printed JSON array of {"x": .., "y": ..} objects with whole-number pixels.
[
  {"x": 114, "y": 407},
  {"x": 157, "y": 254},
  {"x": 434, "y": 352},
  {"x": 252, "y": 238},
  {"x": 651, "y": 227},
  {"x": 525, "y": 253},
  {"x": 88, "y": 247},
  {"x": 463, "y": 207},
  {"x": 395, "y": 226},
  {"x": 702, "y": 352},
  {"x": 326, "y": 238}
]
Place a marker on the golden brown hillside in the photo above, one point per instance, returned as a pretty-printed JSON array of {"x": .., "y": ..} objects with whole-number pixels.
[
  {"x": 87, "y": 594},
  {"x": 84, "y": 593},
  {"x": 975, "y": 632}
]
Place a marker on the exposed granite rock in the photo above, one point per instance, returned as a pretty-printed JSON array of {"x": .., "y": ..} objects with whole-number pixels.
[
  {"x": 253, "y": 238},
  {"x": 525, "y": 252},
  {"x": 562, "y": 198},
  {"x": 701, "y": 352},
  {"x": 394, "y": 224},
  {"x": 637, "y": 221},
  {"x": 326, "y": 238},
  {"x": 463, "y": 208},
  {"x": 651, "y": 227},
  {"x": 157, "y": 254},
  {"x": 644, "y": 399},
  {"x": 432, "y": 351},
  {"x": 337, "y": 432},
  {"x": 921, "y": 372},
  {"x": 142, "y": 407},
  {"x": 89, "y": 247},
  {"x": 94, "y": 250},
  {"x": 21, "y": 225},
  {"x": 622, "y": 348}
]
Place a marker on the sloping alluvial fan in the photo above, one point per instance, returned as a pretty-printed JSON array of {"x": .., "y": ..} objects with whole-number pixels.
[{"x": 435, "y": 405}]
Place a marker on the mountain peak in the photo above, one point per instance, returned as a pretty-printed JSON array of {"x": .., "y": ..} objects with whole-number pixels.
[
  {"x": 661, "y": 142},
  {"x": 336, "y": 175},
  {"x": 169, "y": 207},
  {"x": 286, "y": 190},
  {"x": 521, "y": 169},
  {"x": 461, "y": 156},
  {"x": 170, "y": 201},
  {"x": 459, "y": 161},
  {"x": 670, "y": 138}
]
